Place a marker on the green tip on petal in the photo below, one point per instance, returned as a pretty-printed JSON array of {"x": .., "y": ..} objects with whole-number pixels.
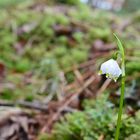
[
  {"x": 100, "y": 72},
  {"x": 115, "y": 79},
  {"x": 107, "y": 75}
]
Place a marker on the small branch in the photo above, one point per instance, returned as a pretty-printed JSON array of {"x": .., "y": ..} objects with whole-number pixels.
[
  {"x": 104, "y": 86},
  {"x": 66, "y": 103},
  {"x": 81, "y": 81},
  {"x": 25, "y": 104}
]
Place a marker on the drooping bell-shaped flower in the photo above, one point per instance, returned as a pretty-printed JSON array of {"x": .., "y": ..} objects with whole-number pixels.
[{"x": 111, "y": 69}]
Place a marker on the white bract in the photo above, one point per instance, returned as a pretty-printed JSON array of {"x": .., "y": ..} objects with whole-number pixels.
[{"x": 111, "y": 69}]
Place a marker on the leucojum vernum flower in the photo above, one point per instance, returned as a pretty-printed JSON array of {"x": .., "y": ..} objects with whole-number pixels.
[{"x": 112, "y": 70}]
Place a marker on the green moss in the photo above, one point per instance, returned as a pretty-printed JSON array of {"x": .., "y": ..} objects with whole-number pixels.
[
  {"x": 96, "y": 33},
  {"x": 29, "y": 98},
  {"x": 66, "y": 62},
  {"x": 61, "y": 19},
  {"x": 7, "y": 94},
  {"x": 60, "y": 51},
  {"x": 43, "y": 136},
  {"x": 5, "y": 3},
  {"x": 79, "y": 55},
  {"x": 132, "y": 67},
  {"x": 62, "y": 40},
  {"x": 70, "y": 2},
  {"x": 22, "y": 65},
  {"x": 78, "y": 36},
  {"x": 44, "y": 52},
  {"x": 70, "y": 77},
  {"x": 48, "y": 67},
  {"x": 93, "y": 122}
]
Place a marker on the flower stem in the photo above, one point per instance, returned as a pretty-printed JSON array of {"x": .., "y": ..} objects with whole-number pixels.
[
  {"x": 120, "y": 108},
  {"x": 122, "y": 88}
]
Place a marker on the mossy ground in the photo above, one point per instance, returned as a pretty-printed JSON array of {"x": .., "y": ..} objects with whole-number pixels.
[{"x": 36, "y": 43}]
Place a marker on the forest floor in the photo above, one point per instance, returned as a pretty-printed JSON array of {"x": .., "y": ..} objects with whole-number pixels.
[{"x": 49, "y": 62}]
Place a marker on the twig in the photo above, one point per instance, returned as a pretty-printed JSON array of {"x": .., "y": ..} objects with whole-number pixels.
[
  {"x": 74, "y": 96},
  {"x": 32, "y": 105},
  {"x": 104, "y": 86},
  {"x": 81, "y": 81},
  {"x": 73, "y": 85},
  {"x": 101, "y": 137}
]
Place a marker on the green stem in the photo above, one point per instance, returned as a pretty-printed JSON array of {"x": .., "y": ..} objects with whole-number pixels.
[
  {"x": 120, "y": 108},
  {"x": 122, "y": 88}
]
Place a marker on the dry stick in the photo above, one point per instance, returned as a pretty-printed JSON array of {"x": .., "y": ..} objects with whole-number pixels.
[
  {"x": 63, "y": 81},
  {"x": 104, "y": 86},
  {"x": 101, "y": 137},
  {"x": 26, "y": 104},
  {"x": 57, "y": 114},
  {"x": 73, "y": 85},
  {"x": 81, "y": 81}
]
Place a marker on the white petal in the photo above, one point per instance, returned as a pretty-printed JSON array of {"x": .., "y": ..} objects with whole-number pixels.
[{"x": 111, "y": 68}]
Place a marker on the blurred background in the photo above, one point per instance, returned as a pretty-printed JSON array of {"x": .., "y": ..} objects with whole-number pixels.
[{"x": 50, "y": 54}]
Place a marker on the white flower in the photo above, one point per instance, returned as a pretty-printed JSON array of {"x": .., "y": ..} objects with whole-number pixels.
[{"x": 111, "y": 69}]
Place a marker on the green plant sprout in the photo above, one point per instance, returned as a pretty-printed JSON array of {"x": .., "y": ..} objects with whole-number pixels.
[{"x": 113, "y": 71}]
